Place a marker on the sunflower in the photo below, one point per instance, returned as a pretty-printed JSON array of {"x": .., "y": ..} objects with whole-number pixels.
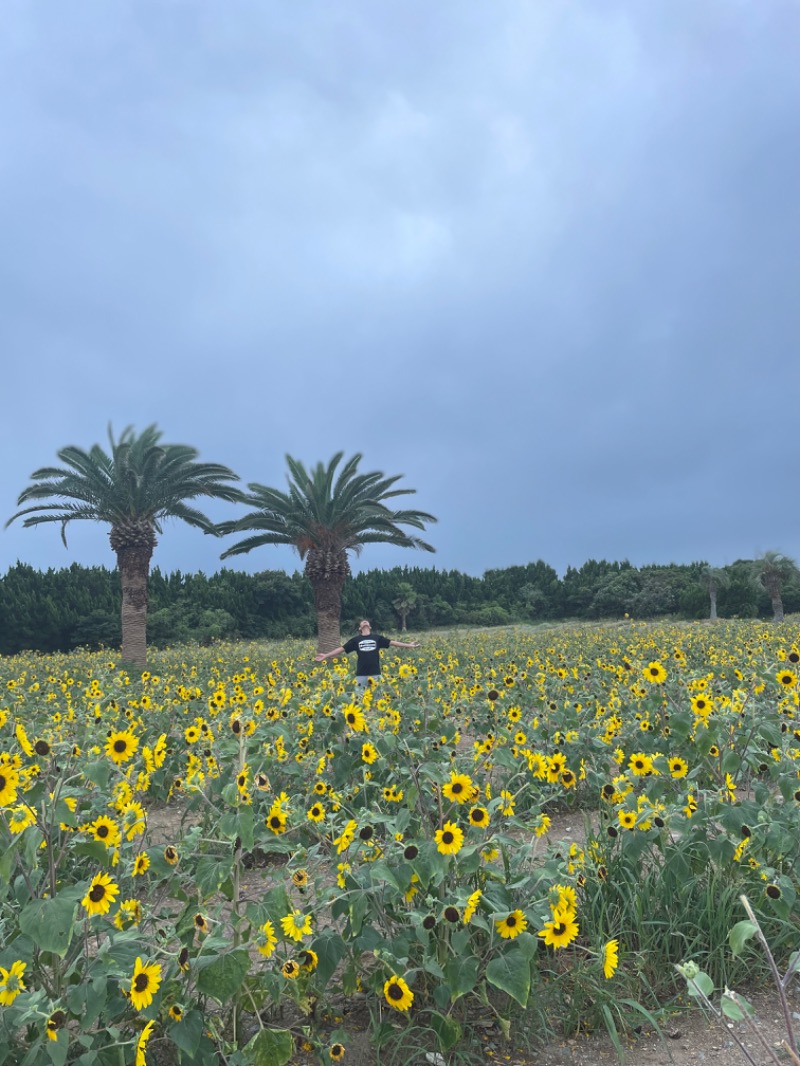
[
  {"x": 171, "y": 855},
  {"x": 316, "y": 813},
  {"x": 176, "y": 1012},
  {"x": 787, "y": 678},
  {"x": 449, "y": 839},
  {"x": 640, "y": 764},
  {"x": 336, "y": 1052},
  {"x": 343, "y": 842},
  {"x": 296, "y": 925},
  {"x": 459, "y": 788},
  {"x": 320, "y": 788},
  {"x": 144, "y": 983},
  {"x": 369, "y": 753},
  {"x": 561, "y": 931},
  {"x": 266, "y": 941},
  {"x": 355, "y": 719},
  {"x": 129, "y": 913},
  {"x": 512, "y": 925},
  {"x": 300, "y": 878},
  {"x": 141, "y": 1044},
  {"x": 627, "y": 819},
  {"x": 19, "y": 818},
  {"x": 201, "y": 924},
  {"x": 678, "y": 767},
  {"x": 309, "y": 960},
  {"x": 54, "y": 1023},
  {"x": 141, "y": 864},
  {"x": 398, "y": 994},
  {"x": 120, "y": 747},
  {"x": 610, "y": 958},
  {"x": 655, "y": 673},
  {"x": 479, "y": 816},
  {"x": 472, "y": 906},
  {"x": 702, "y": 705},
  {"x": 102, "y": 893},
  {"x": 106, "y": 831},
  {"x": 11, "y": 983},
  {"x": 9, "y": 780},
  {"x": 22, "y": 740},
  {"x": 276, "y": 820},
  {"x": 290, "y": 969}
]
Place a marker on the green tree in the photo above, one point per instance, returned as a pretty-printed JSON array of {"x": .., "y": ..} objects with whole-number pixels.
[
  {"x": 404, "y": 603},
  {"x": 326, "y": 513},
  {"x": 713, "y": 579},
  {"x": 772, "y": 570},
  {"x": 132, "y": 487}
]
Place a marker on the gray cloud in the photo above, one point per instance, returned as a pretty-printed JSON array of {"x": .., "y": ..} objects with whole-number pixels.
[{"x": 540, "y": 258}]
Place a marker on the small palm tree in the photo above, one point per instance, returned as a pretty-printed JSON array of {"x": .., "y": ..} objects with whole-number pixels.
[
  {"x": 133, "y": 487},
  {"x": 714, "y": 578},
  {"x": 404, "y": 603},
  {"x": 326, "y": 513},
  {"x": 771, "y": 571}
]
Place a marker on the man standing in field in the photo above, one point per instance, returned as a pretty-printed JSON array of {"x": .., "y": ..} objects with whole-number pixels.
[{"x": 367, "y": 646}]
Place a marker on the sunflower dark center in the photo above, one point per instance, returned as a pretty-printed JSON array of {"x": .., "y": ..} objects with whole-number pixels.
[
  {"x": 141, "y": 982},
  {"x": 97, "y": 893},
  {"x": 447, "y": 837},
  {"x": 120, "y": 746},
  {"x": 395, "y": 991},
  {"x": 511, "y": 921}
]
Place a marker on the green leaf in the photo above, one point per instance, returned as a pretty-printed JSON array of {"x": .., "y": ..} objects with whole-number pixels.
[
  {"x": 700, "y": 985},
  {"x": 461, "y": 975},
  {"x": 98, "y": 772},
  {"x": 511, "y": 973},
  {"x": 49, "y": 923},
  {"x": 447, "y": 1030},
  {"x": 330, "y": 949},
  {"x": 270, "y": 1047},
  {"x": 223, "y": 978},
  {"x": 57, "y": 1049},
  {"x": 186, "y": 1033},
  {"x": 245, "y": 821},
  {"x": 740, "y": 934},
  {"x": 735, "y": 1009}
]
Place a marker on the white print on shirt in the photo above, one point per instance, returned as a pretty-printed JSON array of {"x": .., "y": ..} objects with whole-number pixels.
[{"x": 367, "y": 644}]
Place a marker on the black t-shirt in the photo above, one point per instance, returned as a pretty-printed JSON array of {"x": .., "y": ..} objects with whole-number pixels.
[{"x": 368, "y": 662}]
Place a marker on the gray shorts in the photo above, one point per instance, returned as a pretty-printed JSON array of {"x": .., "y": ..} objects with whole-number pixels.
[{"x": 363, "y": 680}]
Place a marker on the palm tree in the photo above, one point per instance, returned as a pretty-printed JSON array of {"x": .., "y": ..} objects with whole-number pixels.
[
  {"x": 713, "y": 579},
  {"x": 324, "y": 515},
  {"x": 133, "y": 487},
  {"x": 772, "y": 570},
  {"x": 404, "y": 603}
]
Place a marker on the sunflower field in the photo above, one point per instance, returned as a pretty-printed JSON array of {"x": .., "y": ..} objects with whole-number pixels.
[{"x": 213, "y": 861}]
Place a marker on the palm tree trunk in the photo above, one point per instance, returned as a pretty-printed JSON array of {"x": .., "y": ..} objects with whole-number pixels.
[
  {"x": 134, "y": 571},
  {"x": 777, "y": 607},
  {"x": 328, "y": 604},
  {"x": 713, "y": 596}
]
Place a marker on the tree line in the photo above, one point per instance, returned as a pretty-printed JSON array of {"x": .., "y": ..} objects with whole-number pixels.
[{"x": 78, "y": 606}]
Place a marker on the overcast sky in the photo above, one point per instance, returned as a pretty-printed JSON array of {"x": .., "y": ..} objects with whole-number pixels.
[{"x": 540, "y": 257}]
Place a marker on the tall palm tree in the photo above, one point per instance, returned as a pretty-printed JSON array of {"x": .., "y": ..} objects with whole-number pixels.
[
  {"x": 404, "y": 603},
  {"x": 713, "y": 579},
  {"x": 326, "y": 513},
  {"x": 133, "y": 487},
  {"x": 772, "y": 570}
]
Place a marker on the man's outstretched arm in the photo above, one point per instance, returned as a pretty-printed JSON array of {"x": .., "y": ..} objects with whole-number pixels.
[{"x": 323, "y": 655}]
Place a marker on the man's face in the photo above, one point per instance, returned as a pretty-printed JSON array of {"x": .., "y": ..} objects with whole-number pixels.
[{"x": 364, "y": 628}]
